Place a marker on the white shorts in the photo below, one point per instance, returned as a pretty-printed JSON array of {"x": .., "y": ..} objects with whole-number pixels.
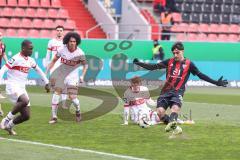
[
  {"x": 143, "y": 111},
  {"x": 139, "y": 111},
  {"x": 15, "y": 91}
]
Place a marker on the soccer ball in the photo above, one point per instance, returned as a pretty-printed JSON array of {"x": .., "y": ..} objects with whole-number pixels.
[{"x": 143, "y": 123}]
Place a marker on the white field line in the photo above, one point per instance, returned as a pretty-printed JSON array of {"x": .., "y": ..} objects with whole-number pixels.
[
  {"x": 72, "y": 149},
  {"x": 230, "y": 105}
]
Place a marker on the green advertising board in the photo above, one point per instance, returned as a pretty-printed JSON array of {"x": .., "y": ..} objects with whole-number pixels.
[{"x": 197, "y": 51}]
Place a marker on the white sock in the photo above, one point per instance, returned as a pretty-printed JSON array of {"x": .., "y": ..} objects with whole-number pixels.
[
  {"x": 76, "y": 104},
  {"x": 63, "y": 100},
  {"x": 55, "y": 101},
  {"x": 10, "y": 124},
  {"x": 10, "y": 116}
]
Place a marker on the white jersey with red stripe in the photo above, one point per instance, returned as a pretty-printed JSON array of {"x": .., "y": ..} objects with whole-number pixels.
[
  {"x": 70, "y": 61},
  {"x": 133, "y": 99},
  {"x": 53, "y": 45},
  {"x": 136, "y": 103},
  {"x": 19, "y": 67}
]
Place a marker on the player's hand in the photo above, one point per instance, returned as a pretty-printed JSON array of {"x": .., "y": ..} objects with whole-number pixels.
[
  {"x": 47, "y": 88},
  {"x": 222, "y": 82},
  {"x": 81, "y": 79},
  {"x": 135, "y": 60}
]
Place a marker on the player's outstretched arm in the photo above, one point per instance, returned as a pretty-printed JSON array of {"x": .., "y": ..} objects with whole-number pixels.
[
  {"x": 3, "y": 70},
  {"x": 149, "y": 66},
  {"x": 44, "y": 78},
  {"x": 84, "y": 71},
  {"x": 51, "y": 64},
  {"x": 219, "y": 82}
]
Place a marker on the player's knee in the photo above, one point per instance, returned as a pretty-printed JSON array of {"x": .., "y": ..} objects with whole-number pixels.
[
  {"x": 72, "y": 96},
  {"x": 58, "y": 91},
  {"x": 161, "y": 111},
  {"x": 175, "y": 108},
  {"x": 26, "y": 117}
]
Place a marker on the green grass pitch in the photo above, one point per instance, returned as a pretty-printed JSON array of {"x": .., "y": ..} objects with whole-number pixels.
[{"x": 215, "y": 136}]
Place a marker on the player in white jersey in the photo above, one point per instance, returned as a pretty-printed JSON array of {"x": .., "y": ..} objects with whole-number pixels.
[
  {"x": 137, "y": 99},
  {"x": 52, "y": 47},
  {"x": 67, "y": 74},
  {"x": 17, "y": 71}
]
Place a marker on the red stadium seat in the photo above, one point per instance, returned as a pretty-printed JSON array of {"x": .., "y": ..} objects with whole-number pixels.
[
  {"x": 203, "y": 28},
  {"x": 19, "y": 12},
  {"x": 70, "y": 24},
  {"x": 48, "y": 23},
  {"x": 233, "y": 28},
  {"x": 12, "y": 3},
  {"x": 45, "y": 3},
  {"x": 30, "y": 12},
  {"x": 52, "y": 13},
  {"x": 22, "y": 33},
  {"x": 4, "y": 22},
  {"x": 34, "y": 3},
  {"x": 202, "y": 37},
  {"x": 34, "y": 33},
  {"x": 213, "y": 28},
  {"x": 41, "y": 13},
  {"x": 192, "y": 27},
  {"x": 15, "y": 22},
  {"x": 62, "y": 13},
  {"x": 45, "y": 34},
  {"x": 233, "y": 38},
  {"x": 8, "y": 12},
  {"x": 23, "y": 3},
  {"x": 3, "y": 3},
  {"x": 11, "y": 33},
  {"x": 222, "y": 37},
  {"x": 181, "y": 37},
  {"x": 2, "y": 30},
  {"x": 223, "y": 28},
  {"x": 212, "y": 37},
  {"x": 38, "y": 23},
  {"x": 26, "y": 23},
  {"x": 192, "y": 37},
  {"x": 59, "y": 22},
  {"x": 56, "y": 3},
  {"x": 177, "y": 17}
]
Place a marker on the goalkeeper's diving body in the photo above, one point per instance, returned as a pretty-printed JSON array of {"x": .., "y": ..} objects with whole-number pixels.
[{"x": 178, "y": 70}]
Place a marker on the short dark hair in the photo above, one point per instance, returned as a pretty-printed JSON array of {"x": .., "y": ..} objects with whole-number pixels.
[
  {"x": 178, "y": 45},
  {"x": 25, "y": 43},
  {"x": 59, "y": 26},
  {"x": 75, "y": 35}
]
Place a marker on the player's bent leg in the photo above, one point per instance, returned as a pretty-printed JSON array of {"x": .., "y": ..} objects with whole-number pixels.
[
  {"x": 172, "y": 125},
  {"x": 73, "y": 92},
  {"x": 1, "y": 111},
  {"x": 22, "y": 101}
]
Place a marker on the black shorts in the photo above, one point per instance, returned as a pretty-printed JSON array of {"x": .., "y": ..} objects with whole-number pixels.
[{"x": 169, "y": 99}]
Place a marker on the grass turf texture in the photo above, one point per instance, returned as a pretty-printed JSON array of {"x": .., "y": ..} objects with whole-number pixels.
[{"x": 214, "y": 136}]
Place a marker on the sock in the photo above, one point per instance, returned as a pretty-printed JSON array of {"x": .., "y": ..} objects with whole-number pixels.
[
  {"x": 55, "y": 101},
  {"x": 165, "y": 119},
  {"x": 173, "y": 116},
  {"x": 10, "y": 116},
  {"x": 76, "y": 104},
  {"x": 64, "y": 99},
  {"x": 10, "y": 124}
]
